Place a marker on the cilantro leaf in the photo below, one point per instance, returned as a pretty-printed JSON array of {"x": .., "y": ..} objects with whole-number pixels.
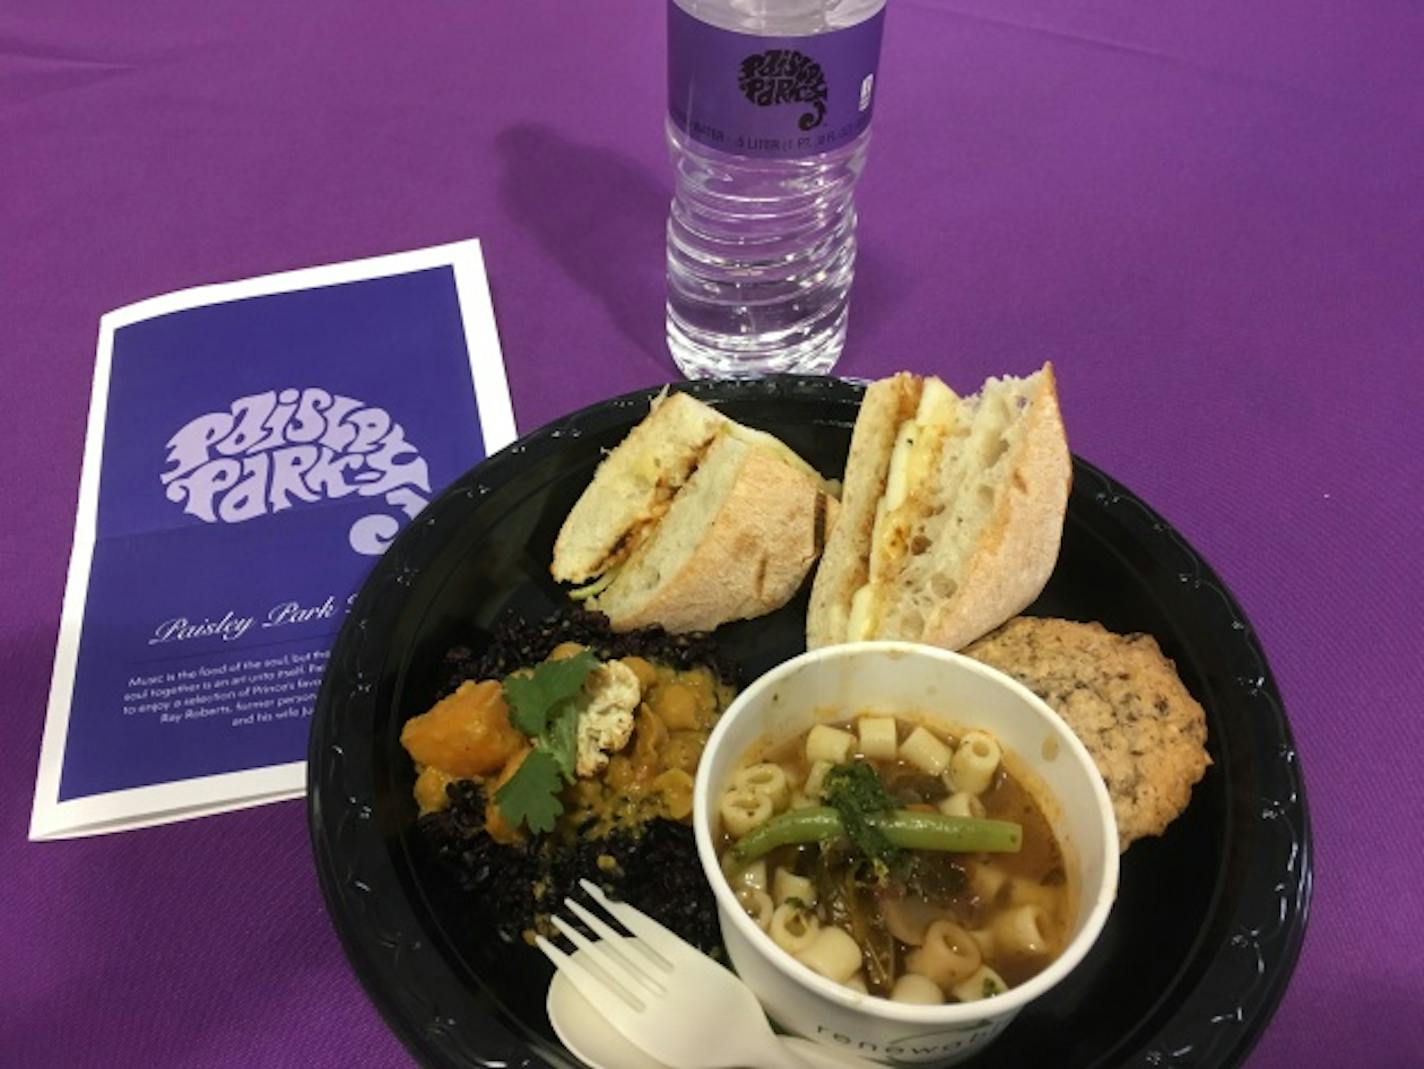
[
  {"x": 531, "y": 796},
  {"x": 560, "y": 741},
  {"x": 541, "y": 705},
  {"x": 533, "y": 697},
  {"x": 855, "y": 792}
]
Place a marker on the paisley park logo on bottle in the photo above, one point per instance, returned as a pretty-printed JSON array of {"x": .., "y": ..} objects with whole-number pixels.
[
  {"x": 785, "y": 76},
  {"x": 280, "y": 449}
]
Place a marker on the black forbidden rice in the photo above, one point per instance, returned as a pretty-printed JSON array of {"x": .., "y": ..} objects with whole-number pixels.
[
  {"x": 654, "y": 868},
  {"x": 656, "y": 871},
  {"x": 518, "y": 643}
]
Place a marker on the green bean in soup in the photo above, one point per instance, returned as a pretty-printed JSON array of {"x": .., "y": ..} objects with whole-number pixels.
[
  {"x": 898, "y": 859},
  {"x": 902, "y": 827}
]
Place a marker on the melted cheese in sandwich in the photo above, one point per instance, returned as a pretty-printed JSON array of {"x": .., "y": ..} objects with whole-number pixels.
[{"x": 913, "y": 461}]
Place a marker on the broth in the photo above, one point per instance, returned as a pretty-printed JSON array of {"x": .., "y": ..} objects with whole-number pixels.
[{"x": 912, "y": 924}]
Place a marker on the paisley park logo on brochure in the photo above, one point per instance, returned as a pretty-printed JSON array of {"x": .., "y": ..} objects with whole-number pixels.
[
  {"x": 785, "y": 76},
  {"x": 280, "y": 449}
]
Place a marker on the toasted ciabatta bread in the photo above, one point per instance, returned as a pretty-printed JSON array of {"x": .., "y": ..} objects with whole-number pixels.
[
  {"x": 844, "y": 566},
  {"x": 693, "y": 521},
  {"x": 952, "y": 512},
  {"x": 633, "y": 487},
  {"x": 736, "y": 543}
]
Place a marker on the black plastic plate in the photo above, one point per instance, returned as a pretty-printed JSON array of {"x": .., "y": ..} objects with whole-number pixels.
[{"x": 1209, "y": 918}]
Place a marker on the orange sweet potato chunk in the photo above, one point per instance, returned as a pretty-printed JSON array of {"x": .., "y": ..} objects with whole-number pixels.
[{"x": 465, "y": 734}]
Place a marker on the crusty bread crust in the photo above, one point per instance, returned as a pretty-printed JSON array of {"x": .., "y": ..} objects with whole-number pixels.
[
  {"x": 843, "y": 569},
  {"x": 1018, "y": 548},
  {"x": 752, "y": 557},
  {"x": 1123, "y": 698},
  {"x": 989, "y": 569},
  {"x": 632, "y": 485}
]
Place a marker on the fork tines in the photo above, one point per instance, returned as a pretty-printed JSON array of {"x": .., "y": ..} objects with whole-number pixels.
[{"x": 628, "y": 968}]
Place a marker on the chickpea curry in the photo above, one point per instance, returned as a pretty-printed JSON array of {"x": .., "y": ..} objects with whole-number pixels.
[
  {"x": 561, "y": 751},
  {"x": 574, "y": 745}
]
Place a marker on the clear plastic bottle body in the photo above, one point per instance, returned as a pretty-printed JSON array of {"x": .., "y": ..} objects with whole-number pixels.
[{"x": 761, "y": 251}]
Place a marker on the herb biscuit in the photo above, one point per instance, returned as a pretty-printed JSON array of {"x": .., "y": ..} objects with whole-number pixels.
[{"x": 1123, "y": 698}]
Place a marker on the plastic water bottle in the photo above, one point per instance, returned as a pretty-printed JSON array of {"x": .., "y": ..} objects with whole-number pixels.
[{"x": 769, "y": 105}]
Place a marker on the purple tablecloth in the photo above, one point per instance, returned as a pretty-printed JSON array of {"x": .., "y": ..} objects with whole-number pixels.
[{"x": 1209, "y": 214}]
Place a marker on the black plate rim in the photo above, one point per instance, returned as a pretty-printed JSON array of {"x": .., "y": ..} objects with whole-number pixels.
[{"x": 1204, "y": 1030}]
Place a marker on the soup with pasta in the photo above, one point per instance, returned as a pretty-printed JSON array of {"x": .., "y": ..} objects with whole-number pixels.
[{"x": 897, "y": 858}]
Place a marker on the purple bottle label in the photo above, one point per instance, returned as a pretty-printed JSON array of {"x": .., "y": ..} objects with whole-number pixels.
[{"x": 771, "y": 97}]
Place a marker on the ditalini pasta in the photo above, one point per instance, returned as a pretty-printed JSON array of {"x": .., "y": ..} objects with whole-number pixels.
[
  {"x": 948, "y": 954},
  {"x": 878, "y": 738},
  {"x": 926, "y": 751},
  {"x": 913, "y": 987},
  {"x": 828, "y": 744},
  {"x": 983, "y": 983},
  {"x": 833, "y": 953},
  {"x": 1019, "y": 932},
  {"x": 898, "y": 858},
  {"x": 975, "y": 761}
]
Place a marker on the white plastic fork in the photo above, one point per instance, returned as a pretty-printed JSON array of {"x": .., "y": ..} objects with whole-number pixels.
[{"x": 668, "y": 998}]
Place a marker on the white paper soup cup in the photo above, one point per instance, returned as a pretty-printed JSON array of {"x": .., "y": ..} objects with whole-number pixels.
[{"x": 930, "y": 685}]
